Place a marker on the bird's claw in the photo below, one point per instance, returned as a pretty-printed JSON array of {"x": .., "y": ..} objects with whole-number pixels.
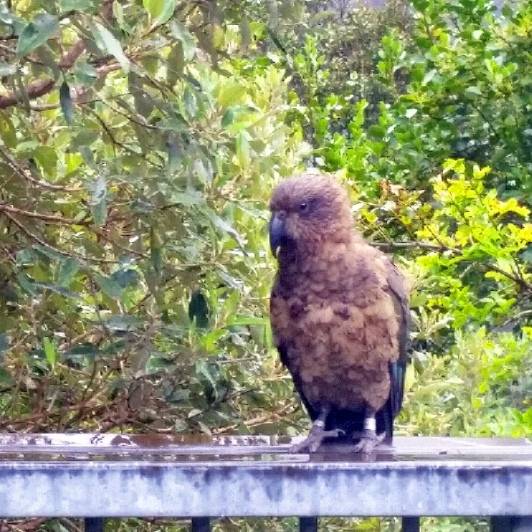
[
  {"x": 369, "y": 441},
  {"x": 315, "y": 438}
]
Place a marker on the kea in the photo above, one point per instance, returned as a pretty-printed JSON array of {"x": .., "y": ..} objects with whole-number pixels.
[{"x": 339, "y": 315}]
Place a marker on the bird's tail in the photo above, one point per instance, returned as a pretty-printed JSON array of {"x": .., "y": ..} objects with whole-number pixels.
[{"x": 386, "y": 416}]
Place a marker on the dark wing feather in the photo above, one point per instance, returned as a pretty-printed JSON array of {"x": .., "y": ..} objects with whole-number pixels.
[
  {"x": 312, "y": 412},
  {"x": 393, "y": 406}
]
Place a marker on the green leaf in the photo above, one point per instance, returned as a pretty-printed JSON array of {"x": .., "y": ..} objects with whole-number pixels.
[
  {"x": 5, "y": 377},
  {"x": 123, "y": 323},
  {"x": 6, "y": 17},
  {"x": 225, "y": 227},
  {"x": 174, "y": 155},
  {"x": 26, "y": 284},
  {"x": 50, "y": 351},
  {"x": 118, "y": 13},
  {"x": 231, "y": 93},
  {"x": 175, "y": 64},
  {"x": 243, "y": 149},
  {"x": 203, "y": 170},
  {"x": 228, "y": 118},
  {"x": 67, "y": 105},
  {"x": 46, "y": 156},
  {"x": 230, "y": 280},
  {"x": 204, "y": 369},
  {"x": 125, "y": 278},
  {"x": 177, "y": 124},
  {"x": 36, "y": 33},
  {"x": 190, "y": 103},
  {"x": 247, "y": 320},
  {"x": 86, "y": 74},
  {"x": 88, "y": 157},
  {"x": 8, "y": 132},
  {"x": 59, "y": 290},
  {"x": 155, "y": 365},
  {"x": 159, "y": 11},
  {"x": 527, "y": 254},
  {"x": 144, "y": 103},
  {"x": 108, "y": 286},
  {"x": 4, "y": 344},
  {"x": 156, "y": 252},
  {"x": 187, "y": 199},
  {"x": 67, "y": 271},
  {"x": 198, "y": 309},
  {"x": 76, "y": 5},
  {"x": 473, "y": 90},
  {"x": 108, "y": 42},
  {"x": 98, "y": 202},
  {"x": 81, "y": 351},
  {"x": 179, "y": 31},
  {"x": 46, "y": 56}
]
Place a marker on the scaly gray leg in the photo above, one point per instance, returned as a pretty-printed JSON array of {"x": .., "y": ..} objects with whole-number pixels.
[
  {"x": 317, "y": 434},
  {"x": 369, "y": 439}
]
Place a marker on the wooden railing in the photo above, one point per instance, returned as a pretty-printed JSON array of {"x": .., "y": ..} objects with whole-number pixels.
[{"x": 102, "y": 476}]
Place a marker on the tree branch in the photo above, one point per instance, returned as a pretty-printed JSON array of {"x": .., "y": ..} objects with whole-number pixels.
[
  {"x": 44, "y": 86},
  {"x": 50, "y": 218},
  {"x": 517, "y": 277},
  {"x": 25, "y": 173},
  {"x": 46, "y": 245}
]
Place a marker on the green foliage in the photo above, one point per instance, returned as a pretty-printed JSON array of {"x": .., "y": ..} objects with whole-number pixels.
[
  {"x": 469, "y": 92},
  {"x": 477, "y": 238},
  {"x": 133, "y": 221},
  {"x": 480, "y": 388},
  {"x": 332, "y": 69}
]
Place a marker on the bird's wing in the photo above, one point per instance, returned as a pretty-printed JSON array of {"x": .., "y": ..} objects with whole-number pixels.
[
  {"x": 396, "y": 288},
  {"x": 296, "y": 379}
]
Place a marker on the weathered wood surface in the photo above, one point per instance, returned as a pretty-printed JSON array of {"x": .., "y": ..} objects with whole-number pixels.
[{"x": 84, "y": 475}]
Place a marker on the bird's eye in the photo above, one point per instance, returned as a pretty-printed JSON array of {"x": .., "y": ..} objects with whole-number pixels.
[{"x": 303, "y": 206}]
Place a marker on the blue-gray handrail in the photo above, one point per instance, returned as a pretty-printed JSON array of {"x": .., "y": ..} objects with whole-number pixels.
[{"x": 123, "y": 475}]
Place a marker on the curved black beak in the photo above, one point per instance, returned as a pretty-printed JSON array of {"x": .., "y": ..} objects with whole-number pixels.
[{"x": 277, "y": 233}]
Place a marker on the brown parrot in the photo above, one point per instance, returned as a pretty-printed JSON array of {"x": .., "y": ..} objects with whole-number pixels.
[{"x": 339, "y": 314}]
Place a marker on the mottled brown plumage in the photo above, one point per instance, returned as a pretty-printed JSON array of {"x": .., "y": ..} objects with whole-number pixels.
[{"x": 339, "y": 314}]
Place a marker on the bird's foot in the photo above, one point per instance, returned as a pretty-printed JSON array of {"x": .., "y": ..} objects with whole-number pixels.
[
  {"x": 315, "y": 438},
  {"x": 369, "y": 441}
]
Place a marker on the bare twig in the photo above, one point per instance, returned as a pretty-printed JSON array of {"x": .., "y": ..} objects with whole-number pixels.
[
  {"x": 26, "y": 420},
  {"x": 258, "y": 420},
  {"x": 50, "y": 218},
  {"x": 44, "y": 86},
  {"x": 111, "y": 136},
  {"x": 411, "y": 245},
  {"x": 46, "y": 245},
  {"x": 26, "y": 174},
  {"x": 516, "y": 277}
]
